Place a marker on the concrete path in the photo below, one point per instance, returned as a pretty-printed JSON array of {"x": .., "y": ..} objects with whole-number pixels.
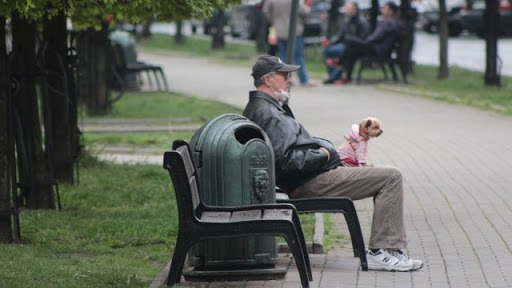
[{"x": 456, "y": 162}]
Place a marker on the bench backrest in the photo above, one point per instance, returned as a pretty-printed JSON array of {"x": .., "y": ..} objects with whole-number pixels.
[{"x": 182, "y": 171}]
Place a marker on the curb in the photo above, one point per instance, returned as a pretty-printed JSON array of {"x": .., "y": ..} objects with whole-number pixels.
[
  {"x": 317, "y": 245},
  {"x": 161, "y": 278},
  {"x": 140, "y": 128},
  {"x": 318, "y": 236}
]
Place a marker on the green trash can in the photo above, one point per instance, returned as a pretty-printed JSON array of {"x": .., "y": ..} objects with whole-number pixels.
[
  {"x": 235, "y": 166},
  {"x": 123, "y": 39}
]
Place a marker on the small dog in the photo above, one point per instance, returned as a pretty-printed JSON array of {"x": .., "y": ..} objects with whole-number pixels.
[{"x": 354, "y": 150}]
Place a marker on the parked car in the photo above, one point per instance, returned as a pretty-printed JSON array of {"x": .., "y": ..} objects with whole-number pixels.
[
  {"x": 471, "y": 17},
  {"x": 428, "y": 18},
  {"x": 242, "y": 22}
]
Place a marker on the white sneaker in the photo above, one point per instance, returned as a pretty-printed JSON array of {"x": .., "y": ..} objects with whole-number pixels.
[
  {"x": 417, "y": 264},
  {"x": 382, "y": 260}
]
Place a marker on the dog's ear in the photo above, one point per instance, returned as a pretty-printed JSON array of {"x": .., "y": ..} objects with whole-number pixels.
[{"x": 367, "y": 123}]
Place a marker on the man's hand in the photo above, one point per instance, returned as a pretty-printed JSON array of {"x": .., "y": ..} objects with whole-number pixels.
[{"x": 327, "y": 152}]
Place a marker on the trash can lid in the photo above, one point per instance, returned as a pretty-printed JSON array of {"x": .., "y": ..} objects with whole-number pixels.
[{"x": 202, "y": 136}]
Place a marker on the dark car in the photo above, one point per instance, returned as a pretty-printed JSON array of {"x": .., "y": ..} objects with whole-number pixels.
[
  {"x": 472, "y": 19},
  {"x": 429, "y": 22},
  {"x": 428, "y": 18},
  {"x": 242, "y": 22}
]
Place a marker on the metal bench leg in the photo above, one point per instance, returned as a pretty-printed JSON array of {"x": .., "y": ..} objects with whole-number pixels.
[
  {"x": 155, "y": 73},
  {"x": 163, "y": 79}
]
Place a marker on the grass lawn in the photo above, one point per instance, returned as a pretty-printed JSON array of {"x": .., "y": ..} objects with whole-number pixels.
[
  {"x": 116, "y": 229},
  {"x": 157, "y": 108},
  {"x": 462, "y": 87},
  {"x": 168, "y": 105}
]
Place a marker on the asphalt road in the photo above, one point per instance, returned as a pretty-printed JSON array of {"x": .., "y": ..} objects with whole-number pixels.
[{"x": 465, "y": 51}]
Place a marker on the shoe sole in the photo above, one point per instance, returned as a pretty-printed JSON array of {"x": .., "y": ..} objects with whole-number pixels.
[{"x": 382, "y": 268}]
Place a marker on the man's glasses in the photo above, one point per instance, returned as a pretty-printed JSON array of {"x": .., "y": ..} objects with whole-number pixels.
[{"x": 286, "y": 75}]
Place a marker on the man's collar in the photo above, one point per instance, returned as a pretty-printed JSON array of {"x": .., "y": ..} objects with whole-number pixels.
[{"x": 264, "y": 96}]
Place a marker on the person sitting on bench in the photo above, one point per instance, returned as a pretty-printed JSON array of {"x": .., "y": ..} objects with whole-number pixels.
[
  {"x": 378, "y": 44},
  {"x": 354, "y": 25}
]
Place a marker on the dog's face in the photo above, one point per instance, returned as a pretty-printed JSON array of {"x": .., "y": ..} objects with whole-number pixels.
[{"x": 373, "y": 126}]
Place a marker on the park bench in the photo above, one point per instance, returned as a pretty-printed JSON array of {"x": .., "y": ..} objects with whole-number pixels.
[
  {"x": 368, "y": 62},
  {"x": 343, "y": 205},
  {"x": 399, "y": 55},
  {"x": 198, "y": 221},
  {"x": 121, "y": 68}
]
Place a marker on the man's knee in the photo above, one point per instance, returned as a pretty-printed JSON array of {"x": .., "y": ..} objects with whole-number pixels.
[
  {"x": 391, "y": 173},
  {"x": 396, "y": 172},
  {"x": 395, "y": 175}
]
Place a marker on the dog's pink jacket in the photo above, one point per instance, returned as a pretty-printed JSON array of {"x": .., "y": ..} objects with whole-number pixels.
[{"x": 354, "y": 149}]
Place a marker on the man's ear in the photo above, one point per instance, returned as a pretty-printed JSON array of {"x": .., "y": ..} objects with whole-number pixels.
[{"x": 266, "y": 80}]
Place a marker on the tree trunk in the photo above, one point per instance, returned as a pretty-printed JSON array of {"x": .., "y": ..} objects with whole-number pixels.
[
  {"x": 333, "y": 24},
  {"x": 6, "y": 232},
  {"x": 261, "y": 30},
  {"x": 83, "y": 70},
  {"x": 218, "y": 30},
  {"x": 179, "y": 37},
  {"x": 58, "y": 99},
  {"x": 443, "y": 71},
  {"x": 374, "y": 14},
  {"x": 36, "y": 179},
  {"x": 409, "y": 16},
  {"x": 98, "y": 45},
  {"x": 492, "y": 30},
  {"x": 146, "y": 28}
]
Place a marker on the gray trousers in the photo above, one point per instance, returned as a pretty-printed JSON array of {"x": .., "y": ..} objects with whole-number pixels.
[{"x": 384, "y": 184}]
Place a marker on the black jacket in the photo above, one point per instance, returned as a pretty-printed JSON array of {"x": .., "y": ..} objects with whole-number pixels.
[
  {"x": 298, "y": 158},
  {"x": 354, "y": 27}
]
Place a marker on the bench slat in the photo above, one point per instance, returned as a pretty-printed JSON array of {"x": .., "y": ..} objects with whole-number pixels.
[
  {"x": 246, "y": 215},
  {"x": 283, "y": 214},
  {"x": 214, "y": 216}
]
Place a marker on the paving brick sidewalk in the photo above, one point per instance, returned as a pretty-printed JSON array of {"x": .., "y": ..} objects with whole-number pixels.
[{"x": 455, "y": 161}]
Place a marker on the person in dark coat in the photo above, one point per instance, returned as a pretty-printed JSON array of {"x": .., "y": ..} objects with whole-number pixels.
[
  {"x": 378, "y": 44},
  {"x": 354, "y": 25}
]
